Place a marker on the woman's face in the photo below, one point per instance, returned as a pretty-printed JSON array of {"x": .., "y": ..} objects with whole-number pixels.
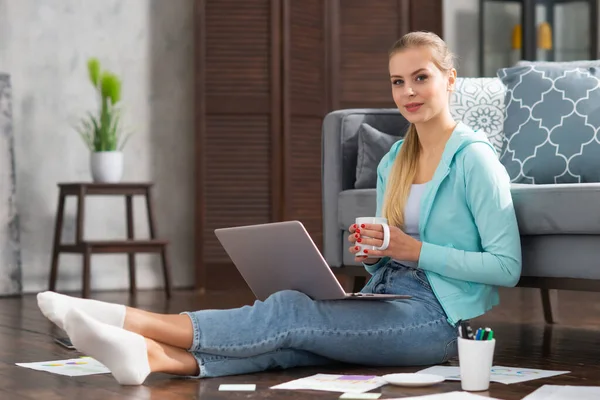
[{"x": 420, "y": 90}]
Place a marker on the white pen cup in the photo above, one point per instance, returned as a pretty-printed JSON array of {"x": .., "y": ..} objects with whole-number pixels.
[
  {"x": 475, "y": 358},
  {"x": 386, "y": 235}
]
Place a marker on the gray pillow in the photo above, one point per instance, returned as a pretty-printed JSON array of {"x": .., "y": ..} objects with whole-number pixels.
[
  {"x": 372, "y": 146},
  {"x": 552, "y": 115}
]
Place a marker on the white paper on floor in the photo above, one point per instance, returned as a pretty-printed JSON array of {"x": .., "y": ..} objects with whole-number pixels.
[
  {"x": 448, "y": 396},
  {"x": 237, "y": 388},
  {"x": 360, "y": 396},
  {"x": 506, "y": 375},
  {"x": 554, "y": 392},
  {"x": 335, "y": 383},
  {"x": 72, "y": 367}
]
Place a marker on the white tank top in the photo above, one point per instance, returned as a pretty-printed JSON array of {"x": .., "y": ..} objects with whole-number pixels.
[{"x": 411, "y": 216}]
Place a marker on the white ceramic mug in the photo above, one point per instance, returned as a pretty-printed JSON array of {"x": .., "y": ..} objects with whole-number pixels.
[
  {"x": 475, "y": 358},
  {"x": 386, "y": 235}
]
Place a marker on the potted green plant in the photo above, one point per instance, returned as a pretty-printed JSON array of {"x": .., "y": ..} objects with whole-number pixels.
[{"x": 102, "y": 133}]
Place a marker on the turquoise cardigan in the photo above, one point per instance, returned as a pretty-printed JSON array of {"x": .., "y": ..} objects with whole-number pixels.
[{"x": 467, "y": 223}]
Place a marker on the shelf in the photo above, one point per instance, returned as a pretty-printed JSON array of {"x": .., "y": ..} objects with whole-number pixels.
[{"x": 538, "y": 2}]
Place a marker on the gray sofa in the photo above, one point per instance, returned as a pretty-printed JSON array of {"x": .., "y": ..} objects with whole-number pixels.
[{"x": 559, "y": 224}]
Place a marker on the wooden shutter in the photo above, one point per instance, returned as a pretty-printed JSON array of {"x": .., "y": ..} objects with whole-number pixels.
[
  {"x": 366, "y": 32},
  {"x": 304, "y": 102},
  {"x": 267, "y": 72},
  {"x": 362, "y": 34},
  {"x": 426, "y": 15},
  {"x": 238, "y": 119}
]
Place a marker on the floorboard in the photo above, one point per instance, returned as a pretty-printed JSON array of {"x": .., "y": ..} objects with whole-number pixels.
[{"x": 523, "y": 340}]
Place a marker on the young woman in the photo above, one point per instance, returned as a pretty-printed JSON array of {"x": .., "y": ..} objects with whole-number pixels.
[{"x": 454, "y": 239}]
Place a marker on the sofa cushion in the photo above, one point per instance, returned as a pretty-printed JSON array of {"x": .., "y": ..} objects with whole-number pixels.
[
  {"x": 557, "y": 208},
  {"x": 389, "y": 121},
  {"x": 372, "y": 146},
  {"x": 552, "y": 114},
  {"x": 479, "y": 104},
  {"x": 540, "y": 209}
]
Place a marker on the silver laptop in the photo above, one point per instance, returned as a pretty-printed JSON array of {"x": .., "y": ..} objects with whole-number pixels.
[{"x": 282, "y": 256}]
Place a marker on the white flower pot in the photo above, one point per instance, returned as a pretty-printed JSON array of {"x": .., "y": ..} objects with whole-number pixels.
[{"x": 107, "y": 166}]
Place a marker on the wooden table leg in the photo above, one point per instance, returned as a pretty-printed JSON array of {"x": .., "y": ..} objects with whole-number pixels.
[
  {"x": 163, "y": 253},
  {"x": 130, "y": 235},
  {"x": 58, "y": 226},
  {"x": 80, "y": 215},
  {"x": 87, "y": 255},
  {"x": 79, "y": 235},
  {"x": 166, "y": 271},
  {"x": 150, "y": 210}
]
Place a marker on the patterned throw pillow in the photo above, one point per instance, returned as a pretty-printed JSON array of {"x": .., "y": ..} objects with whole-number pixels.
[
  {"x": 479, "y": 104},
  {"x": 551, "y": 125}
]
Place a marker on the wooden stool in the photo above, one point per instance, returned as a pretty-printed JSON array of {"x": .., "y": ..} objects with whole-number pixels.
[{"x": 89, "y": 247}]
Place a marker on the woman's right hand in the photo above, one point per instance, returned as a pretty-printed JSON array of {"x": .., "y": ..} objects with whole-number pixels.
[{"x": 355, "y": 237}]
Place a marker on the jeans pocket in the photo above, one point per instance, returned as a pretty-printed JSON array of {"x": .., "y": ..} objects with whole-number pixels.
[{"x": 420, "y": 276}]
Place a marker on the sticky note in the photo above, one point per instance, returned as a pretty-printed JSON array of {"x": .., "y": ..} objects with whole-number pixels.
[
  {"x": 237, "y": 388},
  {"x": 360, "y": 396}
]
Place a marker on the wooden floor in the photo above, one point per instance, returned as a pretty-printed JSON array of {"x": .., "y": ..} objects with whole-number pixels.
[{"x": 522, "y": 340}]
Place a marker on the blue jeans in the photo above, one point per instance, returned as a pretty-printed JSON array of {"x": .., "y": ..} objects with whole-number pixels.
[{"x": 290, "y": 330}]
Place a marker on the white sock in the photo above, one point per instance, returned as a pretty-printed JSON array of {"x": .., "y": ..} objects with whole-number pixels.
[
  {"x": 124, "y": 353},
  {"x": 55, "y": 306}
]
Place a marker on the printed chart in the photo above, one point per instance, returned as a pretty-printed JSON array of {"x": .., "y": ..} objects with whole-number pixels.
[
  {"x": 71, "y": 367},
  {"x": 506, "y": 375},
  {"x": 335, "y": 383}
]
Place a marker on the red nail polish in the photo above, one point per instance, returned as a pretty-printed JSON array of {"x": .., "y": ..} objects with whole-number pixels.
[
  {"x": 366, "y": 251},
  {"x": 359, "y": 240},
  {"x": 358, "y": 231},
  {"x": 357, "y": 248},
  {"x": 357, "y": 236},
  {"x": 354, "y": 226},
  {"x": 362, "y": 226}
]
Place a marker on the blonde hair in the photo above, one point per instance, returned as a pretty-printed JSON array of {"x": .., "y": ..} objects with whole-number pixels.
[{"x": 404, "y": 169}]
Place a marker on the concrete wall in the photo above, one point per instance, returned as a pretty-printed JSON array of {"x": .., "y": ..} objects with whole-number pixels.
[
  {"x": 44, "y": 46},
  {"x": 10, "y": 246}
]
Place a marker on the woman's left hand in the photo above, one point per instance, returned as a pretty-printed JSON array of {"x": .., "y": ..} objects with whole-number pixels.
[{"x": 401, "y": 247}]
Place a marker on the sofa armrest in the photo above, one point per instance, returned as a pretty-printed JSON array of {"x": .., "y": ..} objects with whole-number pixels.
[
  {"x": 331, "y": 184},
  {"x": 339, "y": 150}
]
